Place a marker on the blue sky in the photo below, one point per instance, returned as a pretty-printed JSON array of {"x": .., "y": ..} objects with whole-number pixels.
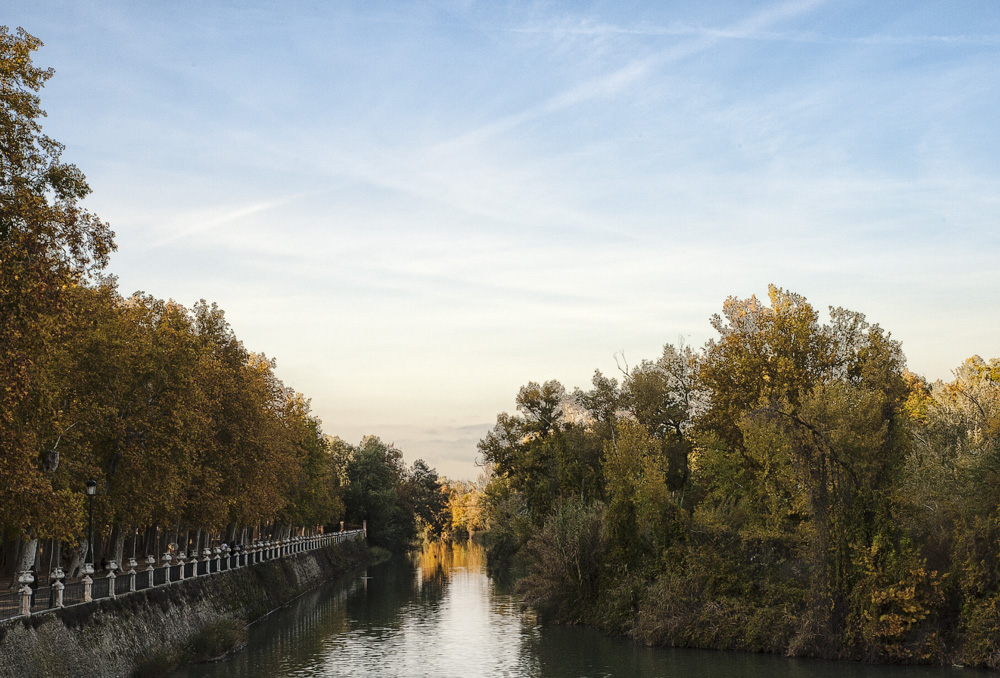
[{"x": 419, "y": 207}]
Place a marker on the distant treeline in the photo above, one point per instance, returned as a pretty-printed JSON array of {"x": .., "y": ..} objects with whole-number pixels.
[
  {"x": 190, "y": 436},
  {"x": 790, "y": 487}
]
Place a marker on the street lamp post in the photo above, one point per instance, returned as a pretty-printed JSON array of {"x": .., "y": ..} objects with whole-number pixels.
[{"x": 91, "y": 491}]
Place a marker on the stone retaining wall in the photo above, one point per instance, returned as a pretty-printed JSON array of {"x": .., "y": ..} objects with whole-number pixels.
[{"x": 109, "y": 638}]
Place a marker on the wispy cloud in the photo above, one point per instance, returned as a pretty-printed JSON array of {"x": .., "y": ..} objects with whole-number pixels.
[
  {"x": 753, "y": 28},
  {"x": 633, "y": 73},
  {"x": 416, "y": 220}
]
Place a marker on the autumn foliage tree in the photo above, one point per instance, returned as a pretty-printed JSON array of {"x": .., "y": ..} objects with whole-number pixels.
[
  {"x": 190, "y": 435},
  {"x": 48, "y": 244}
]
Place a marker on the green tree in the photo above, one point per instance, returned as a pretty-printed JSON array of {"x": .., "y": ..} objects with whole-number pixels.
[
  {"x": 375, "y": 476},
  {"x": 428, "y": 496}
]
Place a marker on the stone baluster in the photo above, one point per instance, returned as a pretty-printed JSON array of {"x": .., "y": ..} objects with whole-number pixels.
[
  {"x": 132, "y": 564},
  {"x": 57, "y": 583},
  {"x": 206, "y": 557},
  {"x": 112, "y": 566},
  {"x": 25, "y": 580},
  {"x": 180, "y": 559},
  {"x": 166, "y": 567},
  {"x": 88, "y": 569}
]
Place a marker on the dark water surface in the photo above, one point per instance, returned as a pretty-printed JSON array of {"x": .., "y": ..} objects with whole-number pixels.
[{"x": 439, "y": 615}]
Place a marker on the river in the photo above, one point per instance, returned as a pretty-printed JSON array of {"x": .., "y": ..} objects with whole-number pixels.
[{"x": 439, "y": 615}]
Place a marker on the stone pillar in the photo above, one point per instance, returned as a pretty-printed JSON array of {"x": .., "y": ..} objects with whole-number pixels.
[
  {"x": 25, "y": 580},
  {"x": 364, "y": 528},
  {"x": 131, "y": 574},
  {"x": 88, "y": 569},
  {"x": 112, "y": 566},
  {"x": 206, "y": 557},
  {"x": 180, "y": 559},
  {"x": 166, "y": 567},
  {"x": 59, "y": 593}
]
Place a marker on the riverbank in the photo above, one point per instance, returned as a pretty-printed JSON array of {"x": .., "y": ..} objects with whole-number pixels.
[
  {"x": 151, "y": 629},
  {"x": 438, "y": 613}
]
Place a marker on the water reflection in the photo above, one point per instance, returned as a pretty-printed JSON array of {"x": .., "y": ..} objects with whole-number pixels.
[{"x": 437, "y": 614}]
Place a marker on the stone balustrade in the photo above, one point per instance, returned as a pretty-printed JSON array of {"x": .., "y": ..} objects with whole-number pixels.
[{"x": 173, "y": 570}]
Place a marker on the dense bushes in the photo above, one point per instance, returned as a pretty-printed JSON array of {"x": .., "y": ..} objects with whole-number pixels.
[{"x": 564, "y": 561}]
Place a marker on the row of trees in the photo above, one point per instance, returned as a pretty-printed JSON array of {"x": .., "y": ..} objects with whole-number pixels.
[
  {"x": 190, "y": 435},
  {"x": 403, "y": 504},
  {"x": 790, "y": 487}
]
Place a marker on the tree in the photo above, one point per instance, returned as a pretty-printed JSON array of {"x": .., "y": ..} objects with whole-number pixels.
[
  {"x": 662, "y": 396},
  {"x": 375, "y": 475},
  {"x": 541, "y": 406},
  {"x": 832, "y": 397},
  {"x": 428, "y": 496},
  {"x": 47, "y": 241},
  {"x": 951, "y": 495},
  {"x": 48, "y": 245}
]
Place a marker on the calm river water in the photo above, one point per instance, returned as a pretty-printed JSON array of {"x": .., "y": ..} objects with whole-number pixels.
[{"x": 439, "y": 615}]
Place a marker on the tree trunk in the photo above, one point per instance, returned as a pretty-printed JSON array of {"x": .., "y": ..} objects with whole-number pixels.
[
  {"x": 24, "y": 560},
  {"x": 149, "y": 541},
  {"x": 79, "y": 557},
  {"x": 117, "y": 544}
]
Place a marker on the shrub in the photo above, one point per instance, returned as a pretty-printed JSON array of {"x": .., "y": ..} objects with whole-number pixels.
[
  {"x": 159, "y": 663},
  {"x": 564, "y": 561},
  {"x": 216, "y": 640}
]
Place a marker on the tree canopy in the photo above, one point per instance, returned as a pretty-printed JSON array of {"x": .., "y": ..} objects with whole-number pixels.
[
  {"x": 789, "y": 487},
  {"x": 187, "y": 432}
]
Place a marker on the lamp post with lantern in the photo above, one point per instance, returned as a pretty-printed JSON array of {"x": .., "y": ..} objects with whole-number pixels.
[{"x": 91, "y": 491}]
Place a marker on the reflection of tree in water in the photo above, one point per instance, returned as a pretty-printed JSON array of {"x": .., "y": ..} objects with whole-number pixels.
[
  {"x": 452, "y": 556},
  {"x": 379, "y": 606},
  {"x": 289, "y": 638},
  {"x": 437, "y": 563},
  {"x": 432, "y": 583}
]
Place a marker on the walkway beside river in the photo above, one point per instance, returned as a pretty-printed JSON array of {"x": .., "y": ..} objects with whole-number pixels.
[{"x": 27, "y": 601}]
